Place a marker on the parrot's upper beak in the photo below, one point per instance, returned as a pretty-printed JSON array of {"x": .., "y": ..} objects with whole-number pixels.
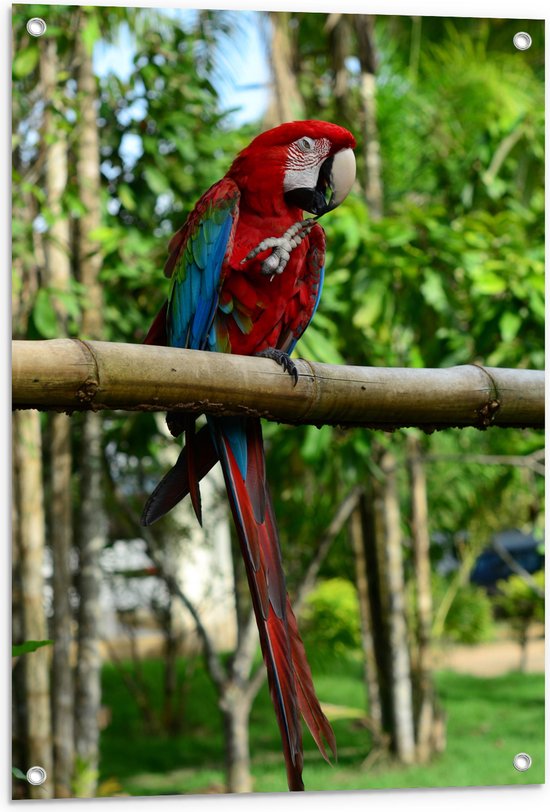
[{"x": 334, "y": 181}]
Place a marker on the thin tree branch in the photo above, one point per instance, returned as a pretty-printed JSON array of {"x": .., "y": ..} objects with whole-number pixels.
[
  {"x": 340, "y": 518},
  {"x": 213, "y": 662},
  {"x": 534, "y": 461},
  {"x": 501, "y": 153},
  {"x": 516, "y": 567},
  {"x": 246, "y": 648},
  {"x": 215, "y": 667}
]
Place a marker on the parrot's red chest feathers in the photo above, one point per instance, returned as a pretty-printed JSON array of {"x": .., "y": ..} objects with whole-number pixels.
[{"x": 275, "y": 305}]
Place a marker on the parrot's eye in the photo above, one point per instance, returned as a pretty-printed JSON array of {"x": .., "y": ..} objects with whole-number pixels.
[{"x": 306, "y": 144}]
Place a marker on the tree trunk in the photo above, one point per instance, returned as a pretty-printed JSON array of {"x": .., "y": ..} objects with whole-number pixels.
[
  {"x": 58, "y": 238},
  {"x": 235, "y": 706},
  {"x": 388, "y": 608},
  {"x": 31, "y": 532},
  {"x": 422, "y": 581},
  {"x": 373, "y": 545},
  {"x": 58, "y": 276},
  {"x": 92, "y": 535},
  {"x": 365, "y": 610},
  {"x": 19, "y": 745},
  {"x": 364, "y": 26},
  {"x": 61, "y": 544},
  {"x": 89, "y": 182},
  {"x": 523, "y": 642},
  {"x": 286, "y": 103},
  {"x": 390, "y": 520},
  {"x": 338, "y": 27},
  {"x": 171, "y": 705},
  {"x": 91, "y": 542}
]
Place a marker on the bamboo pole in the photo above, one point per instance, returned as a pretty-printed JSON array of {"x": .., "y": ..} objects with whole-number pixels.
[{"x": 69, "y": 374}]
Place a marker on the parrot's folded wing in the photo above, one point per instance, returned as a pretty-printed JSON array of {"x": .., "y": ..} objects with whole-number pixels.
[{"x": 199, "y": 254}]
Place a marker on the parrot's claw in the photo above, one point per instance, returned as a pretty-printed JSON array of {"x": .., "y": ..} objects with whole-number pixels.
[
  {"x": 283, "y": 359},
  {"x": 282, "y": 247}
]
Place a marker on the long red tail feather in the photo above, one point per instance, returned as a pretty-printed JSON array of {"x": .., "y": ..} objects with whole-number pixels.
[
  {"x": 233, "y": 440},
  {"x": 289, "y": 675}
]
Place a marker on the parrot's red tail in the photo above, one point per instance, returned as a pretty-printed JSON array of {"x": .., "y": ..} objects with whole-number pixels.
[
  {"x": 238, "y": 443},
  {"x": 240, "y": 446},
  {"x": 182, "y": 478}
]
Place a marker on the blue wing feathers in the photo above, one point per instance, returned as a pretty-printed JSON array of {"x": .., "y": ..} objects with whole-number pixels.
[
  {"x": 202, "y": 250},
  {"x": 201, "y": 246},
  {"x": 316, "y": 270},
  {"x": 319, "y": 290}
]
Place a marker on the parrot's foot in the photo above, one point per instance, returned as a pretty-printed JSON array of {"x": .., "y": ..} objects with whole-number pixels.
[
  {"x": 282, "y": 247},
  {"x": 283, "y": 359}
]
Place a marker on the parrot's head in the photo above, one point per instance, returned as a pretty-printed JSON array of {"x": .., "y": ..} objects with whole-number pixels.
[{"x": 308, "y": 165}]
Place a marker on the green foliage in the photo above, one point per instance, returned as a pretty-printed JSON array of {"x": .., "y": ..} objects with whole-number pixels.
[
  {"x": 85, "y": 777},
  {"x": 470, "y": 617},
  {"x": 455, "y": 272},
  {"x": 519, "y": 602},
  {"x": 330, "y": 620},
  {"x": 28, "y": 646},
  {"x": 487, "y": 719},
  {"x": 17, "y": 773},
  {"x": 481, "y": 499},
  {"x": 25, "y": 61}
]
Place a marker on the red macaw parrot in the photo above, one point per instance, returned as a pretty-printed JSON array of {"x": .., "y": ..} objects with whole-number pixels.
[{"x": 247, "y": 271}]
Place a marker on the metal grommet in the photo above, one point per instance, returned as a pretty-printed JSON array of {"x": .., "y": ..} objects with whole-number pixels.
[
  {"x": 36, "y": 26},
  {"x": 522, "y": 40},
  {"x": 522, "y": 762},
  {"x": 36, "y": 775}
]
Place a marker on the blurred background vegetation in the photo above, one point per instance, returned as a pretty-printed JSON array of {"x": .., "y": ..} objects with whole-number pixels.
[{"x": 435, "y": 259}]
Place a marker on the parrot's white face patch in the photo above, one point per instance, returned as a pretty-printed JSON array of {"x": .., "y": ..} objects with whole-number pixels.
[
  {"x": 301, "y": 178},
  {"x": 305, "y": 157}
]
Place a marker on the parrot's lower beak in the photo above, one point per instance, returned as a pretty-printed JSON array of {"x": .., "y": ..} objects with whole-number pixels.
[{"x": 334, "y": 181}]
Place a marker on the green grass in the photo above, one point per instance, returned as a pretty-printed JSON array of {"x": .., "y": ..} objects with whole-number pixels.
[{"x": 488, "y": 722}]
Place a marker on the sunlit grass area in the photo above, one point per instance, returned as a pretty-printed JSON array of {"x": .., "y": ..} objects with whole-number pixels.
[{"x": 488, "y": 722}]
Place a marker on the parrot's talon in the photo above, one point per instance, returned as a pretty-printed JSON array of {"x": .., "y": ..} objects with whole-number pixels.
[
  {"x": 282, "y": 247},
  {"x": 283, "y": 359}
]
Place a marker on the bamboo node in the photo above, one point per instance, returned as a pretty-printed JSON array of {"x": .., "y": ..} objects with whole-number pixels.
[
  {"x": 87, "y": 392},
  {"x": 487, "y": 413}
]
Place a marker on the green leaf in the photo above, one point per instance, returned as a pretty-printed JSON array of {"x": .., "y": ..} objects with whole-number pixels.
[
  {"x": 366, "y": 315},
  {"x": 509, "y": 326},
  {"x": 43, "y": 314},
  {"x": 91, "y": 32},
  {"x": 70, "y": 301},
  {"x": 315, "y": 345},
  {"x": 103, "y": 234},
  {"x": 317, "y": 441},
  {"x": 433, "y": 291},
  {"x": 126, "y": 197},
  {"x": 17, "y": 773},
  {"x": 108, "y": 237},
  {"x": 155, "y": 180},
  {"x": 25, "y": 62},
  {"x": 490, "y": 284},
  {"x": 28, "y": 646}
]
